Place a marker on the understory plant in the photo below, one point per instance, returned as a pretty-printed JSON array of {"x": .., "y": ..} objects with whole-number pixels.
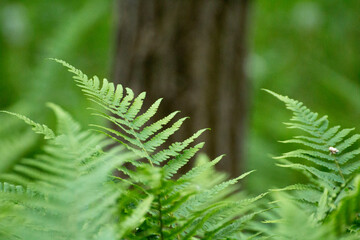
[{"x": 123, "y": 181}]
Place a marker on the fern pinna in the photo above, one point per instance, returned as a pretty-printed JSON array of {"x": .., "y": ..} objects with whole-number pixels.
[
  {"x": 328, "y": 158},
  {"x": 181, "y": 209}
]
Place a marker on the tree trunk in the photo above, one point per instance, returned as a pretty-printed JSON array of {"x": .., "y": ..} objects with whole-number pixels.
[{"x": 191, "y": 53}]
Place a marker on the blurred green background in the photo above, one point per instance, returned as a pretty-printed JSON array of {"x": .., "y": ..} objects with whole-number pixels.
[{"x": 308, "y": 50}]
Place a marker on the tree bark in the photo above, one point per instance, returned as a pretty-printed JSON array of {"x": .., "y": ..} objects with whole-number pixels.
[{"x": 191, "y": 53}]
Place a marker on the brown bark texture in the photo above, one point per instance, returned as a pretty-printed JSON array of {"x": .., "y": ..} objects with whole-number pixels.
[{"x": 191, "y": 53}]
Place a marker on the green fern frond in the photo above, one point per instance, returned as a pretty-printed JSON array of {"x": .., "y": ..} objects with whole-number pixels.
[
  {"x": 196, "y": 201},
  {"x": 143, "y": 139},
  {"x": 37, "y": 128},
  {"x": 346, "y": 217},
  {"x": 181, "y": 209},
  {"x": 230, "y": 227},
  {"x": 72, "y": 175},
  {"x": 289, "y": 221},
  {"x": 327, "y": 156},
  {"x": 136, "y": 217},
  {"x": 324, "y": 138}
]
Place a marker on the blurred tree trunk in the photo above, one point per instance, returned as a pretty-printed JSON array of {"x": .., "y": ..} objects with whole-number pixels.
[{"x": 191, "y": 53}]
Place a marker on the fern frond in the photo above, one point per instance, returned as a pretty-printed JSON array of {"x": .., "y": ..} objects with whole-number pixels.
[
  {"x": 326, "y": 138},
  {"x": 327, "y": 156},
  {"x": 136, "y": 217},
  {"x": 346, "y": 217},
  {"x": 36, "y": 127},
  {"x": 72, "y": 175},
  {"x": 230, "y": 227},
  {"x": 126, "y": 107},
  {"x": 181, "y": 208},
  {"x": 289, "y": 221},
  {"x": 196, "y": 201}
]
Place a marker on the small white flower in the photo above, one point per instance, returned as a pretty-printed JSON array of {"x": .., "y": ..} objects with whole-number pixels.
[{"x": 333, "y": 150}]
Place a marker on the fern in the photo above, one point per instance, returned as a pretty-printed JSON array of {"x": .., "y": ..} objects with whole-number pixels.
[
  {"x": 71, "y": 196},
  {"x": 186, "y": 214},
  {"x": 136, "y": 217},
  {"x": 326, "y": 207},
  {"x": 328, "y": 171},
  {"x": 346, "y": 217},
  {"x": 290, "y": 221},
  {"x": 37, "y": 128},
  {"x": 69, "y": 191}
]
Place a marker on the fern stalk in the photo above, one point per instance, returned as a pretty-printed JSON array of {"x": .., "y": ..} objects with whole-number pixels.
[{"x": 339, "y": 169}]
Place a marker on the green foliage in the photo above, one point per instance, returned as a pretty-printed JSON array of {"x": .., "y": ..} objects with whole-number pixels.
[
  {"x": 193, "y": 211},
  {"x": 68, "y": 193},
  {"x": 83, "y": 186},
  {"x": 326, "y": 207},
  {"x": 292, "y": 222},
  {"x": 37, "y": 128},
  {"x": 330, "y": 173},
  {"x": 346, "y": 217}
]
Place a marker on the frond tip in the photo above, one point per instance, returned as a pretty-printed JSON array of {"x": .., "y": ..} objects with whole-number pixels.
[{"x": 36, "y": 127}]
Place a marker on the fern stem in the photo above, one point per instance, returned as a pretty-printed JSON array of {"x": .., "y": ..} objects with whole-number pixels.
[
  {"x": 339, "y": 169},
  {"x": 336, "y": 198},
  {"x": 160, "y": 219}
]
